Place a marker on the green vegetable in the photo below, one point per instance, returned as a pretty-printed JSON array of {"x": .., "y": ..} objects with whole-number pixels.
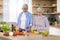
[
  {"x": 52, "y": 18},
  {"x": 45, "y": 33},
  {"x": 5, "y": 28}
]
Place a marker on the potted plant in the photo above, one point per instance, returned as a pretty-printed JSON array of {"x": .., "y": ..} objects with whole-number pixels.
[
  {"x": 52, "y": 19},
  {"x": 1, "y": 24},
  {"x": 5, "y": 28}
]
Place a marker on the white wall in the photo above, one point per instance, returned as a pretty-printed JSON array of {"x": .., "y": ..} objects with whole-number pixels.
[
  {"x": 6, "y": 10},
  {"x": 9, "y": 10},
  {"x": 1, "y": 16},
  {"x": 12, "y": 8},
  {"x": 58, "y": 7}
]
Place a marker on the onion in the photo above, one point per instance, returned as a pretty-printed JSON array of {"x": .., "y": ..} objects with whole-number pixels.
[{"x": 10, "y": 33}]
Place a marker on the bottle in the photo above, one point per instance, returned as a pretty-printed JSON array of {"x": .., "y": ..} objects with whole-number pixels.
[{"x": 13, "y": 27}]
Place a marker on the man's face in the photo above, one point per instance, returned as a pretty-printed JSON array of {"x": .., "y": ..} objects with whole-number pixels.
[{"x": 25, "y": 8}]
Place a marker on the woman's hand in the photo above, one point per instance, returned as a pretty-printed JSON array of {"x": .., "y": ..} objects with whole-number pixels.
[{"x": 38, "y": 28}]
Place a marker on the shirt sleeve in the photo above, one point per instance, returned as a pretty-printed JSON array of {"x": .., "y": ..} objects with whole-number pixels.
[
  {"x": 31, "y": 20},
  {"x": 18, "y": 20}
]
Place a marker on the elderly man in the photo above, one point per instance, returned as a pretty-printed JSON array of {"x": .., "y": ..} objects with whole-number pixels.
[
  {"x": 40, "y": 21},
  {"x": 25, "y": 19}
]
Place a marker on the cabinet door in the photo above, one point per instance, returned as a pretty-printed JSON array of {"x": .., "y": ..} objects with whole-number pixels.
[{"x": 1, "y": 6}]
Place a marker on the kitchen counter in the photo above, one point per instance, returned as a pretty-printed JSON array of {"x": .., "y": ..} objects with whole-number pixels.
[
  {"x": 31, "y": 37},
  {"x": 54, "y": 35},
  {"x": 58, "y": 26}
]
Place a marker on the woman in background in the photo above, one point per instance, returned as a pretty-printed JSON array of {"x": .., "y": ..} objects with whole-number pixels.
[{"x": 40, "y": 21}]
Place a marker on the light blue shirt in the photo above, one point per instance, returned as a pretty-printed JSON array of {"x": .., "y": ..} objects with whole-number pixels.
[
  {"x": 23, "y": 20},
  {"x": 28, "y": 19}
]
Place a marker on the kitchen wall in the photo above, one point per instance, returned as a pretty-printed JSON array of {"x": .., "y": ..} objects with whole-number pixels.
[
  {"x": 6, "y": 10},
  {"x": 58, "y": 8},
  {"x": 1, "y": 16},
  {"x": 12, "y": 8}
]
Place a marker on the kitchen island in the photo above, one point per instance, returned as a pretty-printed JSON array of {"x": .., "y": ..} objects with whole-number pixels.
[{"x": 31, "y": 37}]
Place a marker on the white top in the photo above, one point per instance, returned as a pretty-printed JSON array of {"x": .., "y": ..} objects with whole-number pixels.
[{"x": 23, "y": 21}]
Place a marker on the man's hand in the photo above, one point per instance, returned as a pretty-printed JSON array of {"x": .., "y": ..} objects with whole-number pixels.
[{"x": 28, "y": 27}]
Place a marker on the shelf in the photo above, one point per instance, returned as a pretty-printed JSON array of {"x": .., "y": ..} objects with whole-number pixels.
[
  {"x": 45, "y": 6},
  {"x": 57, "y": 13},
  {"x": 58, "y": 26},
  {"x": 49, "y": 6},
  {"x": 1, "y": 2},
  {"x": 1, "y": 6},
  {"x": 1, "y": 10},
  {"x": 1, "y": 13},
  {"x": 51, "y": 13}
]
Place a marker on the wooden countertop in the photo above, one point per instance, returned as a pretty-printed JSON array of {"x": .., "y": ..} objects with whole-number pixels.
[{"x": 32, "y": 37}]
